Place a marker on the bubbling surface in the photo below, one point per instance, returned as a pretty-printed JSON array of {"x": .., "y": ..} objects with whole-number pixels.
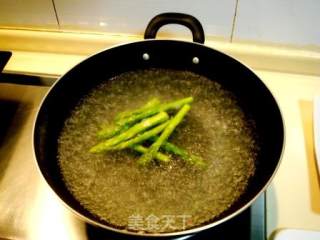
[{"x": 173, "y": 197}]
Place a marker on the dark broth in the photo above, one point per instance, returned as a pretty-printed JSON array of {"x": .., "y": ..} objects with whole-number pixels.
[{"x": 173, "y": 197}]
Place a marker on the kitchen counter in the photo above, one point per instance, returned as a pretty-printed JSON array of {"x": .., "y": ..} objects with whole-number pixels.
[{"x": 293, "y": 198}]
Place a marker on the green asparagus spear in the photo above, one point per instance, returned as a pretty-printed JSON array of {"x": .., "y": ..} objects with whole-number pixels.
[
  {"x": 154, "y": 110},
  {"x": 140, "y": 138},
  {"x": 159, "y": 156},
  {"x": 110, "y": 131},
  {"x": 152, "y": 103},
  {"x": 189, "y": 158},
  {"x": 146, "y": 158},
  {"x": 131, "y": 132}
]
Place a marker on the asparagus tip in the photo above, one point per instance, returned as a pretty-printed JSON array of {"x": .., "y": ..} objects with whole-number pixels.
[
  {"x": 198, "y": 162},
  {"x": 93, "y": 150},
  {"x": 96, "y": 149}
]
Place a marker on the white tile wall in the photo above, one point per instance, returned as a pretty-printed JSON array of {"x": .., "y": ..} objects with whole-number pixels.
[
  {"x": 293, "y": 22},
  {"x": 27, "y": 13},
  {"x": 279, "y": 21},
  {"x": 132, "y": 16}
]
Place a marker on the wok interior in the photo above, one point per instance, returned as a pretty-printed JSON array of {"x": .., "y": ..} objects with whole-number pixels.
[{"x": 254, "y": 98}]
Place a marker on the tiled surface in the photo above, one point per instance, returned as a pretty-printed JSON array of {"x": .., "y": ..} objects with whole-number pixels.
[
  {"x": 293, "y": 22},
  {"x": 132, "y": 16},
  {"x": 31, "y": 13},
  {"x": 286, "y": 21}
]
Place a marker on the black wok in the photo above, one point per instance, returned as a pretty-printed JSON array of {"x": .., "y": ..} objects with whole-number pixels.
[{"x": 254, "y": 96}]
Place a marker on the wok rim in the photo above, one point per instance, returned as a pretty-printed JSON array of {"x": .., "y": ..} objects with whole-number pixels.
[{"x": 185, "y": 232}]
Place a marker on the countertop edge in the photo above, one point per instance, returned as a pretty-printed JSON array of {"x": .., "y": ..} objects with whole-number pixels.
[{"x": 75, "y": 46}]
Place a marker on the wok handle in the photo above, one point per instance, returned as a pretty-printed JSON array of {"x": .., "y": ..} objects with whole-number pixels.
[
  {"x": 175, "y": 18},
  {"x": 4, "y": 58}
]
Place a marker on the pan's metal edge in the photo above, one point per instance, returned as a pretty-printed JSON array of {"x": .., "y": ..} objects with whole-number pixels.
[{"x": 179, "y": 233}]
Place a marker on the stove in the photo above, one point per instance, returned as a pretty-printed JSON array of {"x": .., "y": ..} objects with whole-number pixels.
[{"x": 28, "y": 207}]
